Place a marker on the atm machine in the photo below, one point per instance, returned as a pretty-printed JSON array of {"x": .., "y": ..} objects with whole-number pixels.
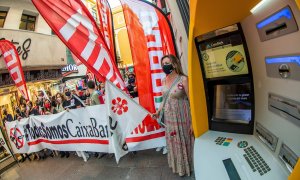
[{"x": 236, "y": 146}]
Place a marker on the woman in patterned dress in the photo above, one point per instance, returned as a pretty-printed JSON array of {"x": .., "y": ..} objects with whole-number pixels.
[{"x": 177, "y": 117}]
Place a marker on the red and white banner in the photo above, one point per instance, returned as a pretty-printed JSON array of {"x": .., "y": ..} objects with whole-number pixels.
[
  {"x": 14, "y": 66},
  {"x": 83, "y": 129},
  {"x": 100, "y": 128},
  {"x": 106, "y": 24},
  {"x": 150, "y": 38},
  {"x": 75, "y": 26}
]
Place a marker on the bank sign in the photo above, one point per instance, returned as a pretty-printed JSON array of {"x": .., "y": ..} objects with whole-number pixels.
[{"x": 69, "y": 69}]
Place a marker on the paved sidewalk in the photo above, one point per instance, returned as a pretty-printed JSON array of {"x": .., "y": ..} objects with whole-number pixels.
[{"x": 145, "y": 165}]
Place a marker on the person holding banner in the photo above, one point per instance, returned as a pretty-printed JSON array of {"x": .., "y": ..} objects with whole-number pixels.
[
  {"x": 72, "y": 102},
  {"x": 6, "y": 116},
  {"x": 175, "y": 111},
  {"x": 18, "y": 116}
]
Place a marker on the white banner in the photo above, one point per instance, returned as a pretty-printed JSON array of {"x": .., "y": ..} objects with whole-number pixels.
[
  {"x": 83, "y": 129},
  {"x": 100, "y": 128}
]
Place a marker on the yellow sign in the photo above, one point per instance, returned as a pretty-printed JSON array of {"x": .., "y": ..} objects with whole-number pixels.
[{"x": 224, "y": 61}]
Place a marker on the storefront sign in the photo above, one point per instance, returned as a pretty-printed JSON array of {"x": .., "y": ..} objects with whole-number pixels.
[
  {"x": 23, "y": 48},
  {"x": 38, "y": 75},
  {"x": 70, "y": 68},
  {"x": 35, "y": 49}
]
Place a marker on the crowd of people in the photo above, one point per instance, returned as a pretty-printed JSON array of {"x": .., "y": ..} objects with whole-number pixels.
[
  {"x": 174, "y": 109},
  {"x": 46, "y": 104}
]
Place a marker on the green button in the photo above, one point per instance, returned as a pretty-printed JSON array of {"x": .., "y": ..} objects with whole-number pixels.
[{"x": 226, "y": 144}]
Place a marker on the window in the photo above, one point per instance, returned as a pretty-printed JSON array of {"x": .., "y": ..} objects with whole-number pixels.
[
  {"x": 3, "y": 15},
  {"x": 184, "y": 9},
  {"x": 27, "y": 22}
]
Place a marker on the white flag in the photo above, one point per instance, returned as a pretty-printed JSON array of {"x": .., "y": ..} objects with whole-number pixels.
[{"x": 124, "y": 116}]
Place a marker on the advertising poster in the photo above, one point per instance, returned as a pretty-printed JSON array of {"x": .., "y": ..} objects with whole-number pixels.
[{"x": 224, "y": 57}]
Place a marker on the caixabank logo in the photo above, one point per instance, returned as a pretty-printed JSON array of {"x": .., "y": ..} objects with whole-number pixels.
[{"x": 16, "y": 137}]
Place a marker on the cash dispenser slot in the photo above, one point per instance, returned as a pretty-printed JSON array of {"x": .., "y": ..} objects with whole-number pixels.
[
  {"x": 267, "y": 137},
  {"x": 276, "y": 28},
  {"x": 278, "y": 24},
  {"x": 288, "y": 157},
  {"x": 285, "y": 107}
]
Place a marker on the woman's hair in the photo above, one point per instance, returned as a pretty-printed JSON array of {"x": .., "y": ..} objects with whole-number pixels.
[
  {"x": 61, "y": 96},
  {"x": 175, "y": 62}
]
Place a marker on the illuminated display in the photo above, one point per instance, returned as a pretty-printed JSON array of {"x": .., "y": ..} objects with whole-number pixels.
[
  {"x": 283, "y": 59},
  {"x": 224, "y": 57},
  {"x": 286, "y": 12}
]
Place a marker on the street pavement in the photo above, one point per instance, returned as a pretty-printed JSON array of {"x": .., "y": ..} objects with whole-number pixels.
[{"x": 145, "y": 165}]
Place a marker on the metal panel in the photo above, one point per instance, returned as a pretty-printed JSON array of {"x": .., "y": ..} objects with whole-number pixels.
[
  {"x": 288, "y": 157},
  {"x": 278, "y": 24},
  {"x": 286, "y": 67},
  {"x": 268, "y": 138},
  {"x": 284, "y": 107}
]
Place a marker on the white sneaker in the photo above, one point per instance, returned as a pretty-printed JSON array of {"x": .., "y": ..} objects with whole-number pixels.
[
  {"x": 165, "y": 151},
  {"x": 78, "y": 153},
  {"x": 159, "y": 149}
]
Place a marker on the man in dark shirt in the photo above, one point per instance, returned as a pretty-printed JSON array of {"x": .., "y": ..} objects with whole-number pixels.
[
  {"x": 132, "y": 86},
  {"x": 71, "y": 102},
  {"x": 7, "y": 117}
]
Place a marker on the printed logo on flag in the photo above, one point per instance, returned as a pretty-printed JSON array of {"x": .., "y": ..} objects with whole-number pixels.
[
  {"x": 17, "y": 137},
  {"x": 119, "y": 106}
]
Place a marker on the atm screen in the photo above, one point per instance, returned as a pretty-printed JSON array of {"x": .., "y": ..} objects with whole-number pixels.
[
  {"x": 232, "y": 103},
  {"x": 224, "y": 57}
]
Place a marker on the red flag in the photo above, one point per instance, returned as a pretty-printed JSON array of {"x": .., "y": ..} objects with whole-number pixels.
[
  {"x": 106, "y": 24},
  {"x": 14, "y": 66},
  {"x": 75, "y": 26},
  {"x": 76, "y": 60},
  {"x": 150, "y": 38}
]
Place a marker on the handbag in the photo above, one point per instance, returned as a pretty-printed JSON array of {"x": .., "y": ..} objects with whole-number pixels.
[{"x": 161, "y": 119}]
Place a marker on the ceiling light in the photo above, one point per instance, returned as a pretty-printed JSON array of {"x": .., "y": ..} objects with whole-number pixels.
[{"x": 258, "y": 6}]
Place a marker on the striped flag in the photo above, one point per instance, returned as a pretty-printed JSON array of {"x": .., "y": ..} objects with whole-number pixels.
[{"x": 75, "y": 26}]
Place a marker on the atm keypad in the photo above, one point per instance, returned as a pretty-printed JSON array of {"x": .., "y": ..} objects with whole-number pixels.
[
  {"x": 255, "y": 161},
  {"x": 223, "y": 141}
]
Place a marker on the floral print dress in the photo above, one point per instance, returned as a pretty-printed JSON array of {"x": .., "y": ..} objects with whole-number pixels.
[{"x": 177, "y": 118}]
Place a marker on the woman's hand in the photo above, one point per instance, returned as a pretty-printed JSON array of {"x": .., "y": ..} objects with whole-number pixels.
[{"x": 155, "y": 115}]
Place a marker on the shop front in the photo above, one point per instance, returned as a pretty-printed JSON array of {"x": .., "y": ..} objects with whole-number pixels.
[{"x": 47, "y": 80}]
